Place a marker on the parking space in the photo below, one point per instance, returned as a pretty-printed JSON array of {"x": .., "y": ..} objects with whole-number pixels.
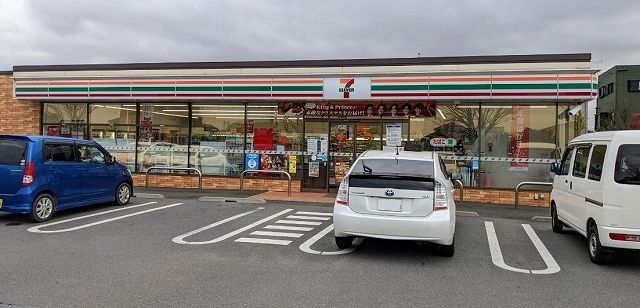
[{"x": 188, "y": 253}]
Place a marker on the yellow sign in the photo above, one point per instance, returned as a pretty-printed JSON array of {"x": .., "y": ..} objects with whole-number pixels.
[
  {"x": 1, "y": 202},
  {"x": 293, "y": 161}
]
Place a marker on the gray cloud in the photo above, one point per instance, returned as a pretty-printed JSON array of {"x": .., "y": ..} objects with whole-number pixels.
[{"x": 116, "y": 31}]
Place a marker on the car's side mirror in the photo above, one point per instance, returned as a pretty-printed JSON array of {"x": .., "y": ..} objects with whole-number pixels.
[
  {"x": 109, "y": 160},
  {"x": 555, "y": 167}
]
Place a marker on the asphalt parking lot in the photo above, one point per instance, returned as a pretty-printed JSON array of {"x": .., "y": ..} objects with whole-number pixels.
[{"x": 183, "y": 252}]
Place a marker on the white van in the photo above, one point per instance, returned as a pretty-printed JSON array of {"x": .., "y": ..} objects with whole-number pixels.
[{"x": 596, "y": 191}]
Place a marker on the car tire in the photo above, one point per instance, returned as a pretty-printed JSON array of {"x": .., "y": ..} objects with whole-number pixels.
[
  {"x": 344, "y": 242},
  {"x": 123, "y": 194},
  {"x": 42, "y": 208},
  {"x": 447, "y": 250},
  {"x": 556, "y": 225},
  {"x": 596, "y": 252}
]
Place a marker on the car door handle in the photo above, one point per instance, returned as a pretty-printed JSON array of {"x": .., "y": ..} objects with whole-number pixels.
[{"x": 570, "y": 185}]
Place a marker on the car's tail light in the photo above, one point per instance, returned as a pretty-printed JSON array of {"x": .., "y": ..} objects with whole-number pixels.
[
  {"x": 343, "y": 192},
  {"x": 624, "y": 237},
  {"x": 440, "y": 199},
  {"x": 29, "y": 174}
]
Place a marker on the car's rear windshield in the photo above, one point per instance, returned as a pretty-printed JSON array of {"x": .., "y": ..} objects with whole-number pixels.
[
  {"x": 628, "y": 164},
  {"x": 392, "y": 173},
  {"x": 12, "y": 152}
]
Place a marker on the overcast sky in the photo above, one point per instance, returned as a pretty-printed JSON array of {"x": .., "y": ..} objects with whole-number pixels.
[{"x": 122, "y": 31}]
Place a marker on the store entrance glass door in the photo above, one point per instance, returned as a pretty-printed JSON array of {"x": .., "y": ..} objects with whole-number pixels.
[
  {"x": 347, "y": 141},
  {"x": 315, "y": 162}
]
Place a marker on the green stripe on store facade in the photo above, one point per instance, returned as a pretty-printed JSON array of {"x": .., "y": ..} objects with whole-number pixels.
[
  {"x": 109, "y": 89},
  {"x": 29, "y": 90},
  {"x": 195, "y": 89}
]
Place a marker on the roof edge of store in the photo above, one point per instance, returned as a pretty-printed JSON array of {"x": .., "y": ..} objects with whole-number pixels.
[{"x": 456, "y": 60}]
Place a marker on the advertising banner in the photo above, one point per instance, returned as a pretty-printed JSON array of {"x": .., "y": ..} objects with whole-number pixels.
[
  {"x": 146, "y": 121},
  {"x": 394, "y": 135},
  {"x": 358, "y": 110},
  {"x": 314, "y": 169},
  {"x": 293, "y": 161},
  {"x": 252, "y": 161},
  {"x": 519, "y": 137}
]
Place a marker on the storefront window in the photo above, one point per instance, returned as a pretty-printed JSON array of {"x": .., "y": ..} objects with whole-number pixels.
[
  {"x": 163, "y": 135},
  {"x": 453, "y": 131},
  {"x": 65, "y": 120},
  {"x": 217, "y": 140},
  {"x": 114, "y": 127},
  {"x": 569, "y": 126},
  {"x": 274, "y": 136},
  {"x": 521, "y": 140}
]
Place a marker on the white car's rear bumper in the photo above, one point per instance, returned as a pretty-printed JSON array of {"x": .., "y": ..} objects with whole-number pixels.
[
  {"x": 438, "y": 227},
  {"x": 606, "y": 241}
]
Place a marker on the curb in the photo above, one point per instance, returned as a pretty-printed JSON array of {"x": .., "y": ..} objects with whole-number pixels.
[
  {"x": 148, "y": 196},
  {"x": 231, "y": 200}
]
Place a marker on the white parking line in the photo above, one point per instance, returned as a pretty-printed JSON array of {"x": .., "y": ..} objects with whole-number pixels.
[
  {"x": 263, "y": 241},
  {"x": 289, "y": 228},
  {"x": 498, "y": 259},
  {"x": 314, "y": 213},
  {"x": 297, "y": 222},
  {"x": 306, "y": 246},
  {"x": 308, "y": 217},
  {"x": 281, "y": 234},
  {"x": 180, "y": 238},
  {"x": 36, "y": 229}
]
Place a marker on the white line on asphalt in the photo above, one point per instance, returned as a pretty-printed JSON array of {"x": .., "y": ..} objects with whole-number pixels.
[
  {"x": 543, "y": 218},
  {"x": 306, "y": 246},
  {"x": 308, "y": 217},
  {"x": 262, "y": 241},
  {"x": 180, "y": 238},
  {"x": 498, "y": 259},
  {"x": 552, "y": 265},
  {"x": 36, "y": 229},
  {"x": 290, "y": 228},
  {"x": 314, "y": 213},
  {"x": 298, "y": 222},
  {"x": 281, "y": 234},
  {"x": 467, "y": 214},
  {"x": 245, "y": 228}
]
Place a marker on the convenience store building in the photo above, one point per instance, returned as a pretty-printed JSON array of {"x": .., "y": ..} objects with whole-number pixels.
[{"x": 499, "y": 120}]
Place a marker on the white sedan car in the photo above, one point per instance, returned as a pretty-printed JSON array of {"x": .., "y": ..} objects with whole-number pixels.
[{"x": 398, "y": 196}]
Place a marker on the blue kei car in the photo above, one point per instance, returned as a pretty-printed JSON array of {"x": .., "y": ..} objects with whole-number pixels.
[{"x": 40, "y": 175}]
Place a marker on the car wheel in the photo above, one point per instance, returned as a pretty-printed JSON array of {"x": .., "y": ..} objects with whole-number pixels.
[
  {"x": 556, "y": 225},
  {"x": 42, "y": 208},
  {"x": 447, "y": 250},
  {"x": 344, "y": 242},
  {"x": 123, "y": 194},
  {"x": 596, "y": 253}
]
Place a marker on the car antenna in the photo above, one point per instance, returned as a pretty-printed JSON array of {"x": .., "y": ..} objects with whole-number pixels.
[{"x": 397, "y": 150}]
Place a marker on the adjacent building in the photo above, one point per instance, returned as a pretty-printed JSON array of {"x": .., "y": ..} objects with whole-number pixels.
[
  {"x": 618, "y": 104},
  {"x": 499, "y": 120}
]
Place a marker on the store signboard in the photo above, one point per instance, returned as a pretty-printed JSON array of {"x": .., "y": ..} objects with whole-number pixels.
[
  {"x": 394, "y": 135},
  {"x": 347, "y": 88},
  {"x": 252, "y": 161},
  {"x": 443, "y": 142},
  {"x": 519, "y": 136}
]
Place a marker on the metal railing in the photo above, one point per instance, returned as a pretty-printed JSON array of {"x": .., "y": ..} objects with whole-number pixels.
[
  {"x": 265, "y": 171},
  {"x": 529, "y": 183},
  {"x": 146, "y": 178},
  {"x": 461, "y": 188}
]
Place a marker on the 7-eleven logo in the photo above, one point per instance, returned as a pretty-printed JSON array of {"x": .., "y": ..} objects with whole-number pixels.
[{"x": 347, "y": 86}]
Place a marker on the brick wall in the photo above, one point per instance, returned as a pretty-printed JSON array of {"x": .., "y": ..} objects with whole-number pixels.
[
  {"x": 504, "y": 196},
  {"x": 182, "y": 181},
  {"x": 17, "y": 116}
]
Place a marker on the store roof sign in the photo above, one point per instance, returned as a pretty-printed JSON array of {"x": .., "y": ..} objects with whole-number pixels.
[{"x": 347, "y": 88}]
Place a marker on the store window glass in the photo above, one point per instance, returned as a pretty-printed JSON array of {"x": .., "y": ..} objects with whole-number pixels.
[
  {"x": 274, "y": 136},
  {"x": 452, "y": 130},
  {"x": 217, "y": 139},
  {"x": 163, "y": 135},
  {"x": 521, "y": 140},
  {"x": 114, "y": 127},
  {"x": 65, "y": 120},
  {"x": 569, "y": 126}
]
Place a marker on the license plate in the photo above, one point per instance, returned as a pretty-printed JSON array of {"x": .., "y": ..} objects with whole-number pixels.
[{"x": 390, "y": 205}]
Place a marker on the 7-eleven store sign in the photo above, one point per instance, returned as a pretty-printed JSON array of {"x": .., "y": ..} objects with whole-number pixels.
[{"x": 347, "y": 88}]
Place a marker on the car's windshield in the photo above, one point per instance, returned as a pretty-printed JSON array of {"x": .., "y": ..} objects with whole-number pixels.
[
  {"x": 628, "y": 164},
  {"x": 398, "y": 166},
  {"x": 12, "y": 152}
]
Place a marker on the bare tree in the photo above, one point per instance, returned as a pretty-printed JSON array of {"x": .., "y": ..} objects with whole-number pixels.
[{"x": 470, "y": 119}]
